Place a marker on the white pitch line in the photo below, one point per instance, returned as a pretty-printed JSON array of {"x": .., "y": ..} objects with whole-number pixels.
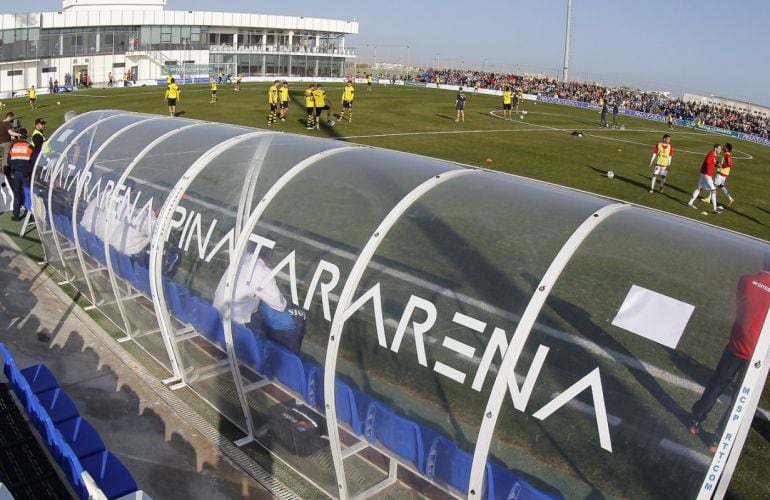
[{"x": 745, "y": 155}]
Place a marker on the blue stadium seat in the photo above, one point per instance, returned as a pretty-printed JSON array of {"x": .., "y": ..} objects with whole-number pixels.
[
  {"x": 9, "y": 364},
  {"x": 84, "y": 239},
  {"x": 58, "y": 405},
  {"x": 96, "y": 246},
  {"x": 110, "y": 474},
  {"x": 315, "y": 385},
  {"x": 506, "y": 484},
  {"x": 81, "y": 436},
  {"x": 396, "y": 433},
  {"x": 176, "y": 296},
  {"x": 351, "y": 406},
  {"x": 40, "y": 378},
  {"x": 208, "y": 322},
  {"x": 70, "y": 465},
  {"x": 248, "y": 347},
  {"x": 447, "y": 464},
  {"x": 51, "y": 435},
  {"x": 141, "y": 278},
  {"x": 286, "y": 367},
  {"x": 24, "y": 392}
]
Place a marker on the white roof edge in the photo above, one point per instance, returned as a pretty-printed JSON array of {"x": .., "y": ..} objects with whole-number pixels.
[{"x": 174, "y": 17}]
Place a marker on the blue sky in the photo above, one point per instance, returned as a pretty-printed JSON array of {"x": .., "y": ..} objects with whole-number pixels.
[{"x": 704, "y": 46}]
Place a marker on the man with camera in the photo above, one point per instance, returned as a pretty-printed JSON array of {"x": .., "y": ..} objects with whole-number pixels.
[{"x": 7, "y": 134}]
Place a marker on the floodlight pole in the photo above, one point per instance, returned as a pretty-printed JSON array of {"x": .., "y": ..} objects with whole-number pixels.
[{"x": 566, "y": 41}]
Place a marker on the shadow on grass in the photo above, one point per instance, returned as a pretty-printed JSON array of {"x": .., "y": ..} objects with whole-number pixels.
[
  {"x": 619, "y": 177},
  {"x": 446, "y": 117}
]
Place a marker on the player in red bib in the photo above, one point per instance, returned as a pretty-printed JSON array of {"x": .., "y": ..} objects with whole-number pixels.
[{"x": 707, "y": 170}]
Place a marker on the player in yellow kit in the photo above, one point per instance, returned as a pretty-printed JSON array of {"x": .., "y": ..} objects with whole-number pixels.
[
  {"x": 319, "y": 94},
  {"x": 310, "y": 106},
  {"x": 172, "y": 96},
  {"x": 507, "y": 100},
  {"x": 213, "y": 90},
  {"x": 348, "y": 93},
  {"x": 273, "y": 99},
  {"x": 32, "y": 97},
  {"x": 284, "y": 95}
]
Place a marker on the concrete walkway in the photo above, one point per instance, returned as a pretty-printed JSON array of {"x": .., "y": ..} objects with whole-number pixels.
[{"x": 168, "y": 456}]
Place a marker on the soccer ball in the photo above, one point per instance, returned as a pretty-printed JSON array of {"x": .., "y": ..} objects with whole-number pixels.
[
  {"x": 331, "y": 123},
  {"x": 521, "y": 117},
  {"x": 610, "y": 174},
  {"x": 58, "y": 103}
]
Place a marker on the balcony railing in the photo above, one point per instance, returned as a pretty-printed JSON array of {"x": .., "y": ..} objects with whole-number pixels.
[{"x": 282, "y": 49}]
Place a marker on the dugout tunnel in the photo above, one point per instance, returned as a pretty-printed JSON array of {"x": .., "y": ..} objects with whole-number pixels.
[{"x": 467, "y": 333}]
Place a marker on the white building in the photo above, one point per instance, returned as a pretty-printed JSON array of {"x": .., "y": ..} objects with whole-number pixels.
[
  {"x": 726, "y": 102},
  {"x": 141, "y": 39}
]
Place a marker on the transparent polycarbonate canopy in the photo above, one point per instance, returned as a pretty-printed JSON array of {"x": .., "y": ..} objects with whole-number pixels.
[{"x": 394, "y": 325}]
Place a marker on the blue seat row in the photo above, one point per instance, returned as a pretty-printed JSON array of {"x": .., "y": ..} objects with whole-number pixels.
[
  {"x": 435, "y": 456},
  {"x": 71, "y": 440}
]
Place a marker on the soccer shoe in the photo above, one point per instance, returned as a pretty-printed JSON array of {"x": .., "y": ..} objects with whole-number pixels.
[
  {"x": 283, "y": 119},
  {"x": 730, "y": 203},
  {"x": 692, "y": 206},
  {"x": 661, "y": 188},
  {"x": 694, "y": 427},
  {"x": 457, "y": 119},
  {"x": 705, "y": 200},
  {"x": 716, "y": 212},
  {"x": 652, "y": 190},
  {"x": 16, "y": 218}
]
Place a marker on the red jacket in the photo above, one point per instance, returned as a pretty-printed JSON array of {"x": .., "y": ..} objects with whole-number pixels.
[{"x": 750, "y": 314}]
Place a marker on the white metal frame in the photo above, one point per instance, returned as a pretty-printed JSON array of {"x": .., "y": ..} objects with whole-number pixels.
[
  {"x": 79, "y": 192},
  {"x": 159, "y": 237},
  {"x": 49, "y": 205},
  {"x": 110, "y": 208},
  {"x": 520, "y": 336},
  {"x": 343, "y": 312},
  {"x": 240, "y": 248}
]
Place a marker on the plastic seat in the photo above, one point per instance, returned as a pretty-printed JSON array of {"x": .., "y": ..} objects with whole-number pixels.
[
  {"x": 40, "y": 378},
  {"x": 315, "y": 385},
  {"x": 58, "y": 405},
  {"x": 115, "y": 259},
  {"x": 175, "y": 295},
  {"x": 70, "y": 465},
  {"x": 52, "y": 437},
  {"x": 351, "y": 406},
  {"x": 112, "y": 477},
  {"x": 96, "y": 246},
  {"x": 84, "y": 239},
  {"x": 287, "y": 367},
  {"x": 81, "y": 437},
  {"x": 504, "y": 483},
  {"x": 9, "y": 364},
  {"x": 448, "y": 464},
  {"x": 141, "y": 278},
  {"x": 396, "y": 433},
  {"x": 208, "y": 322},
  {"x": 248, "y": 347}
]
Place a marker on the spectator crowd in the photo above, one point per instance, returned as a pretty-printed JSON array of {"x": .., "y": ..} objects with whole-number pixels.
[{"x": 633, "y": 99}]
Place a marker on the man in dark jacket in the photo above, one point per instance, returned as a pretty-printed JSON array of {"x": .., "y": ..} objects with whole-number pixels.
[{"x": 20, "y": 161}]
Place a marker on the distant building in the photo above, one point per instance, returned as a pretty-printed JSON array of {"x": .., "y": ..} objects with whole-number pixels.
[
  {"x": 725, "y": 102},
  {"x": 98, "y": 37}
]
